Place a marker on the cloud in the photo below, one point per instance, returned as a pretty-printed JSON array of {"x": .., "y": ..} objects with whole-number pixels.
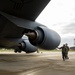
[
  {"x": 65, "y": 28},
  {"x": 69, "y": 29},
  {"x": 66, "y": 31},
  {"x": 68, "y": 38}
]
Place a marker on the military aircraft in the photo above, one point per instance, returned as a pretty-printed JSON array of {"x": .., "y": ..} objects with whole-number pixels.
[{"x": 17, "y": 18}]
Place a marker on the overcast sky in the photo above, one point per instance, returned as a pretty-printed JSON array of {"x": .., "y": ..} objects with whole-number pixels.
[{"x": 59, "y": 15}]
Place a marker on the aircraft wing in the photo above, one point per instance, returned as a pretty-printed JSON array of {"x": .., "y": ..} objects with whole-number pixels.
[
  {"x": 17, "y": 18},
  {"x": 27, "y": 9}
]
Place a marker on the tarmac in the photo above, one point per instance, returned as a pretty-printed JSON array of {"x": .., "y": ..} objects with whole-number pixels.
[{"x": 45, "y": 63}]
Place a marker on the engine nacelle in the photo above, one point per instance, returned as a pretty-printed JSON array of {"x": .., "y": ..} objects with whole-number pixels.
[
  {"x": 26, "y": 46},
  {"x": 46, "y": 38}
]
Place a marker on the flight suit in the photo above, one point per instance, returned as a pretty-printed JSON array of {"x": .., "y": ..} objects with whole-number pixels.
[{"x": 64, "y": 52}]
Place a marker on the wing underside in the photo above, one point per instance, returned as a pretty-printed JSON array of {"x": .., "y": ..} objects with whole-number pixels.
[{"x": 28, "y": 9}]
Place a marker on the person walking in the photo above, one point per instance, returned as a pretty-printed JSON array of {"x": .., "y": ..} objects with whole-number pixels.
[{"x": 64, "y": 52}]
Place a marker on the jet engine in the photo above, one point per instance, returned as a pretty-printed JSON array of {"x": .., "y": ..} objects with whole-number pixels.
[
  {"x": 26, "y": 46},
  {"x": 44, "y": 38}
]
